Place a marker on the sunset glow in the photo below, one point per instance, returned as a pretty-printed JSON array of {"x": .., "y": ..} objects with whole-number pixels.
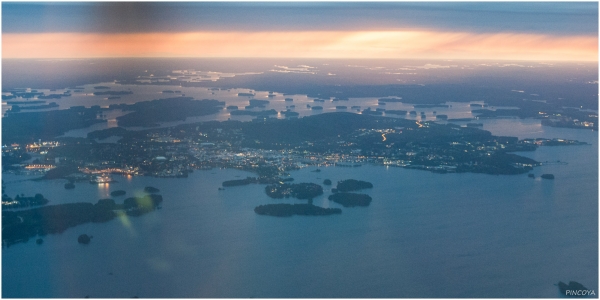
[{"x": 304, "y": 44}]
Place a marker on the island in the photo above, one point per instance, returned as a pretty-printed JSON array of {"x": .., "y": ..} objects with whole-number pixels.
[
  {"x": 270, "y": 112},
  {"x": 255, "y": 102},
  {"x": 84, "y": 239},
  {"x": 351, "y": 199},
  {"x": 288, "y": 210},
  {"x": 295, "y": 190},
  {"x": 547, "y": 176},
  {"x": 352, "y": 185}
]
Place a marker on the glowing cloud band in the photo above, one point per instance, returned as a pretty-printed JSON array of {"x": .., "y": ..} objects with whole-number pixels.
[{"x": 327, "y": 44}]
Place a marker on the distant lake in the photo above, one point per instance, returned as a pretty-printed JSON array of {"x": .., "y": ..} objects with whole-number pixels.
[{"x": 424, "y": 235}]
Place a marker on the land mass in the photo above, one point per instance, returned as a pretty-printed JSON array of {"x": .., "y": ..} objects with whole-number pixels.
[
  {"x": 20, "y": 226},
  {"x": 288, "y": 210},
  {"x": 294, "y": 190}
]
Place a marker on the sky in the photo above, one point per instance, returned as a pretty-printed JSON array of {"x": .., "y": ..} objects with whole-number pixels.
[{"x": 549, "y": 31}]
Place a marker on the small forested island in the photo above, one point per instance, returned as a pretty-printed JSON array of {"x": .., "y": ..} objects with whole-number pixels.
[
  {"x": 295, "y": 190},
  {"x": 352, "y": 185},
  {"x": 69, "y": 186},
  {"x": 255, "y": 102},
  {"x": 351, "y": 199},
  {"x": 270, "y": 112},
  {"x": 19, "y": 226},
  {"x": 84, "y": 239},
  {"x": 547, "y": 176},
  {"x": 288, "y": 210}
]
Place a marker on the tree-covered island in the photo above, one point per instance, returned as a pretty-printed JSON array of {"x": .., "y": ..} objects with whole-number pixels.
[
  {"x": 288, "y": 210},
  {"x": 349, "y": 185},
  {"x": 294, "y": 190}
]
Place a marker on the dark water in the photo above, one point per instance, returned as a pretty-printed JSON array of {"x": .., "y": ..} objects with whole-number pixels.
[{"x": 424, "y": 235}]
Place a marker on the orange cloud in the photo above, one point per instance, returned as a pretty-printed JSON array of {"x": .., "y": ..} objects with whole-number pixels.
[{"x": 327, "y": 44}]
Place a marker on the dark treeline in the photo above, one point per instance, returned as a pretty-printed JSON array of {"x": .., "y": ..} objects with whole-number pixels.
[{"x": 288, "y": 210}]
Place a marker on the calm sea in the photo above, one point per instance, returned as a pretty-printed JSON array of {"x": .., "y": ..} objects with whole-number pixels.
[{"x": 424, "y": 235}]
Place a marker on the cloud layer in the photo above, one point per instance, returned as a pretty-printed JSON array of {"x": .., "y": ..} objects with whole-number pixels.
[{"x": 308, "y": 44}]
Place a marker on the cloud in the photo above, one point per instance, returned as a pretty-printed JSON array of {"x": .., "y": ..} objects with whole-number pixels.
[
  {"x": 557, "y": 18},
  {"x": 308, "y": 44}
]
